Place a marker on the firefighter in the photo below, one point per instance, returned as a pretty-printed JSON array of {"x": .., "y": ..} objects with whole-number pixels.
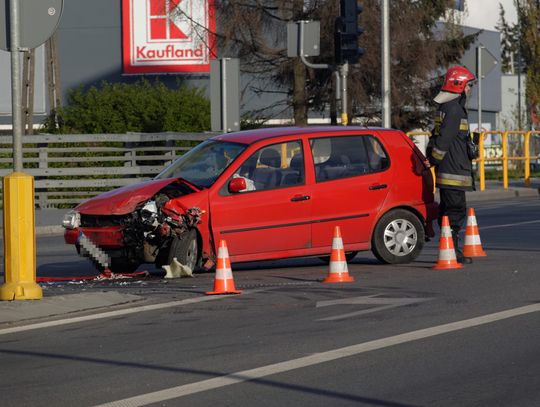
[{"x": 451, "y": 150}]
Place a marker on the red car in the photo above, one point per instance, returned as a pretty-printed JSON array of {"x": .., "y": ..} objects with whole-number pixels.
[{"x": 271, "y": 194}]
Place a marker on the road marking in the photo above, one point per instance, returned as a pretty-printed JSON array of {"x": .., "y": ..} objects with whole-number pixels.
[
  {"x": 315, "y": 359},
  {"x": 507, "y": 225},
  {"x": 384, "y": 303},
  {"x": 116, "y": 313}
]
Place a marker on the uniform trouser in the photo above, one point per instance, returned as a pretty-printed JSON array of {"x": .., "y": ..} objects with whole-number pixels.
[{"x": 454, "y": 205}]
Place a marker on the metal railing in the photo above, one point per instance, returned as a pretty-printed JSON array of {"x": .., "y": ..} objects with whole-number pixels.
[
  {"x": 505, "y": 159},
  {"x": 70, "y": 168}
]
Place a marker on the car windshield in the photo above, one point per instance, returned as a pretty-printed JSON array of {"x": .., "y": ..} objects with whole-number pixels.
[{"x": 203, "y": 164}]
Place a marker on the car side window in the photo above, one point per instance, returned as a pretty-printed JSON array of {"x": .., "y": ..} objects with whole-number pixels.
[
  {"x": 348, "y": 156},
  {"x": 275, "y": 166}
]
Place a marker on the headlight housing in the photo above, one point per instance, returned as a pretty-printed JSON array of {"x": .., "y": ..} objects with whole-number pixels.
[{"x": 72, "y": 220}]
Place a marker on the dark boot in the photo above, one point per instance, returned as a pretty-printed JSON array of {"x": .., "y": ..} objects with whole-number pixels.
[{"x": 459, "y": 254}]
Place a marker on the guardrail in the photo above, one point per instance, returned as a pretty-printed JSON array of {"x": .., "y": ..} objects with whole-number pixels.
[
  {"x": 70, "y": 168},
  {"x": 504, "y": 159}
]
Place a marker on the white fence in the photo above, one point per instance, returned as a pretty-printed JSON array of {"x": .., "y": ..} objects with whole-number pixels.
[{"x": 72, "y": 167}]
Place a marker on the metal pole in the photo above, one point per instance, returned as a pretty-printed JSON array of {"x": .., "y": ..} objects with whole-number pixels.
[
  {"x": 224, "y": 95},
  {"x": 344, "y": 69},
  {"x": 385, "y": 59},
  {"x": 519, "y": 85},
  {"x": 16, "y": 94},
  {"x": 479, "y": 74}
]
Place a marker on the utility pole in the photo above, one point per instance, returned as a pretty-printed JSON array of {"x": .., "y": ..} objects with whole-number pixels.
[
  {"x": 16, "y": 91},
  {"x": 385, "y": 59},
  {"x": 479, "y": 74}
]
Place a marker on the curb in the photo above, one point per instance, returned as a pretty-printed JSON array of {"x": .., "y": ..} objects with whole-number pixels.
[
  {"x": 16, "y": 311},
  {"x": 49, "y": 230},
  {"x": 42, "y": 231},
  {"x": 488, "y": 195}
]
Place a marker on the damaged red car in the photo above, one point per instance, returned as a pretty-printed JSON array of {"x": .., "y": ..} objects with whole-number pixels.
[{"x": 271, "y": 194}]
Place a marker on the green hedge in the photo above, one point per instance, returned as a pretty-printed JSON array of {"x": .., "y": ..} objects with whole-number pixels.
[{"x": 140, "y": 107}]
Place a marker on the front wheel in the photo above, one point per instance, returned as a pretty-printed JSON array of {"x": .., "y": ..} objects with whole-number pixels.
[
  {"x": 398, "y": 237},
  {"x": 185, "y": 248}
]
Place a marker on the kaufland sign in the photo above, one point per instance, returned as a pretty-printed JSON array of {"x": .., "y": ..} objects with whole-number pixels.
[{"x": 167, "y": 36}]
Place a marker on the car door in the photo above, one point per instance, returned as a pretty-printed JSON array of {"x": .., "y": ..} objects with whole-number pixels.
[
  {"x": 272, "y": 215},
  {"x": 351, "y": 183}
]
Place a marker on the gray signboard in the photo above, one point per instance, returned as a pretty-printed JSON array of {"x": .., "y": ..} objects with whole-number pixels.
[
  {"x": 225, "y": 94},
  {"x": 40, "y": 89},
  {"x": 38, "y": 21},
  {"x": 311, "y": 37}
]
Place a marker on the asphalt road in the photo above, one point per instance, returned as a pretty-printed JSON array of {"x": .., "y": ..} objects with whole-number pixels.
[{"x": 398, "y": 336}]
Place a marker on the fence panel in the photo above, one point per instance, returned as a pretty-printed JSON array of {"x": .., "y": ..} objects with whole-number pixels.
[{"x": 70, "y": 168}]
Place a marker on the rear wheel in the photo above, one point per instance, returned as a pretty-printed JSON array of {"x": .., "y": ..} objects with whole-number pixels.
[
  {"x": 185, "y": 248},
  {"x": 398, "y": 237}
]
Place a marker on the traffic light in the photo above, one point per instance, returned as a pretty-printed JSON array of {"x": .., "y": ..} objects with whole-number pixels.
[{"x": 347, "y": 32}]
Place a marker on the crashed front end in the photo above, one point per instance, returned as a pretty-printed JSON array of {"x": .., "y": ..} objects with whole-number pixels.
[{"x": 143, "y": 235}]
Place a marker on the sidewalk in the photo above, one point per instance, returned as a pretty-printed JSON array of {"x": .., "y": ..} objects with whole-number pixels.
[
  {"x": 495, "y": 191},
  {"x": 20, "y": 311}
]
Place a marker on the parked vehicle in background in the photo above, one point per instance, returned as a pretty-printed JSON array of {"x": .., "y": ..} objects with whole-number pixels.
[{"x": 271, "y": 194}]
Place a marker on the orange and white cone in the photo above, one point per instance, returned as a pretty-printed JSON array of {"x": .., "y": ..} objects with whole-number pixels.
[
  {"x": 447, "y": 253},
  {"x": 472, "y": 246},
  {"x": 339, "y": 272},
  {"x": 223, "y": 282}
]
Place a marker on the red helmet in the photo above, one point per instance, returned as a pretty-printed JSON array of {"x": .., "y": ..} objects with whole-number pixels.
[{"x": 456, "y": 79}]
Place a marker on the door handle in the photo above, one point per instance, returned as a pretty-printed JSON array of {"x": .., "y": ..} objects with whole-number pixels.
[
  {"x": 298, "y": 198},
  {"x": 377, "y": 186}
]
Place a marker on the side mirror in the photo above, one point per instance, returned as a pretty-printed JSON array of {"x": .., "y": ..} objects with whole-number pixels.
[{"x": 237, "y": 184}]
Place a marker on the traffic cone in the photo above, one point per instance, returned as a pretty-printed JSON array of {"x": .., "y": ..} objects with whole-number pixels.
[
  {"x": 447, "y": 254},
  {"x": 223, "y": 283},
  {"x": 338, "y": 264},
  {"x": 472, "y": 246}
]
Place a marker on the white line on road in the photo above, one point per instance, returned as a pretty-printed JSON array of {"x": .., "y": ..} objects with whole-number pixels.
[
  {"x": 315, "y": 359},
  {"x": 507, "y": 225},
  {"x": 111, "y": 314},
  {"x": 383, "y": 303}
]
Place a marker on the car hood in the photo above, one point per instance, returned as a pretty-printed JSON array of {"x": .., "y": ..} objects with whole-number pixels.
[{"x": 125, "y": 200}]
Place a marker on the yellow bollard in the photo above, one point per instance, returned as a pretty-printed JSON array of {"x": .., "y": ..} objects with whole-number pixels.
[
  {"x": 344, "y": 119},
  {"x": 19, "y": 239}
]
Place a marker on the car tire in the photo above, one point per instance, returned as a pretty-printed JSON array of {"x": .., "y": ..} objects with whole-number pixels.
[
  {"x": 186, "y": 249},
  {"x": 398, "y": 237}
]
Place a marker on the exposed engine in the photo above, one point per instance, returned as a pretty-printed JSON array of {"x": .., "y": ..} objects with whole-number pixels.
[{"x": 152, "y": 227}]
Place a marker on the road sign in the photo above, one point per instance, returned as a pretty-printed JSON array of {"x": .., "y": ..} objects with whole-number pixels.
[
  {"x": 488, "y": 62},
  {"x": 311, "y": 37},
  {"x": 39, "y": 19}
]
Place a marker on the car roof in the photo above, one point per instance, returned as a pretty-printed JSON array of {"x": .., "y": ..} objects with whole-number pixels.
[{"x": 252, "y": 136}]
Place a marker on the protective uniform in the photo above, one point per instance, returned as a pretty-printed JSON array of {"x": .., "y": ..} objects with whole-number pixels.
[{"x": 451, "y": 151}]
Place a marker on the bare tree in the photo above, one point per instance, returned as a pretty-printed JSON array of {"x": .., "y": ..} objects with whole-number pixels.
[
  {"x": 521, "y": 44},
  {"x": 255, "y": 31}
]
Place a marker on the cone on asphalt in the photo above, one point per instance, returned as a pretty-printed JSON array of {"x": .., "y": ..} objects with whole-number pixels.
[
  {"x": 338, "y": 272},
  {"x": 223, "y": 282},
  {"x": 472, "y": 246},
  {"x": 447, "y": 253}
]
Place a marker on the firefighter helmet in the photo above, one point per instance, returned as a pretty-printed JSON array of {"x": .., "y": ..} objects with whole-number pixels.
[{"x": 456, "y": 79}]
